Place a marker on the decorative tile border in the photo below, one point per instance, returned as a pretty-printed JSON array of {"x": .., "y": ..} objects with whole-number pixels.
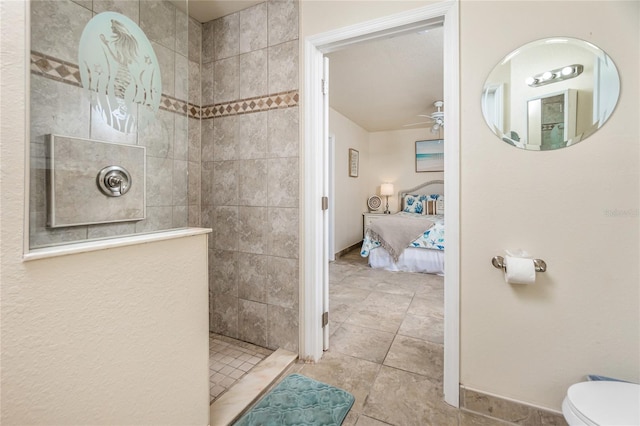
[
  {"x": 65, "y": 72},
  {"x": 246, "y": 106},
  {"x": 507, "y": 410},
  {"x": 55, "y": 69}
]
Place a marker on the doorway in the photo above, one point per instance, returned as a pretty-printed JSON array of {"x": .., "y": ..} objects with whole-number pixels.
[{"x": 315, "y": 135}]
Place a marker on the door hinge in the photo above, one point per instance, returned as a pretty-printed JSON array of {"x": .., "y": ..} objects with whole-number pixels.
[
  {"x": 325, "y": 318},
  {"x": 325, "y": 87},
  {"x": 325, "y": 203}
]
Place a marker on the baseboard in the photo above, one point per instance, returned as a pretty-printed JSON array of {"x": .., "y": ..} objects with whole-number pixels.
[
  {"x": 507, "y": 410},
  {"x": 348, "y": 249}
]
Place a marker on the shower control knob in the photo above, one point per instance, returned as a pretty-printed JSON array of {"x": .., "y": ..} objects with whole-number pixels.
[{"x": 114, "y": 181}]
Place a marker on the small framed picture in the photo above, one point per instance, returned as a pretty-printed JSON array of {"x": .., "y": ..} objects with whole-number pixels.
[
  {"x": 430, "y": 156},
  {"x": 353, "y": 162}
]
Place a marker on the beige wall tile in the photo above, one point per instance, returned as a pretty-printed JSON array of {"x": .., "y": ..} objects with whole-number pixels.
[
  {"x": 195, "y": 40},
  {"x": 226, "y": 32},
  {"x": 58, "y": 108},
  {"x": 180, "y": 183},
  {"x": 282, "y": 328},
  {"x": 182, "y": 33},
  {"x": 195, "y": 92},
  {"x": 282, "y": 282},
  {"x": 208, "y": 46},
  {"x": 225, "y": 134},
  {"x": 252, "y": 318},
  {"x": 194, "y": 180},
  {"x": 283, "y": 133},
  {"x": 253, "y": 74},
  {"x": 252, "y": 277},
  {"x": 252, "y": 230},
  {"x": 226, "y": 228},
  {"x": 182, "y": 77},
  {"x": 225, "y": 315},
  {"x": 224, "y": 272},
  {"x": 56, "y": 28},
  {"x": 207, "y": 83},
  {"x": 157, "y": 218},
  {"x": 180, "y": 217},
  {"x": 253, "y": 28},
  {"x": 283, "y": 67},
  {"x": 158, "y": 135},
  {"x": 252, "y": 182},
  {"x": 129, "y": 8},
  {"x": 252, "y": 135},
  {"x": 225, "y": 183},
  {"x": 158, "y": 21},
  {"x": 226, "y": 79},
  {"x": 283, "y": 232},
  {"x": 283, "y": 21},
  {"x": 159, "y": 181},
  {"x": 283, "y": 182}
]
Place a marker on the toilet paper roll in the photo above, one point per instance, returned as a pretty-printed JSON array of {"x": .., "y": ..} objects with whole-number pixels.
[{"x": 519, "y": 270}]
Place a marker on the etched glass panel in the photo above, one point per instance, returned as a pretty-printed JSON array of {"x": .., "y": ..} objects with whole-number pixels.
[{"x": 119, "y": 67}]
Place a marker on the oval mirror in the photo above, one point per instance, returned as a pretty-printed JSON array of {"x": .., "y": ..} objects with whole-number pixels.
[{"x": 550, "y": 93}]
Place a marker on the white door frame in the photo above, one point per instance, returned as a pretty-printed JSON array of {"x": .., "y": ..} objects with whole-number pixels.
[
  {"x": 311, "y": 286},
  {"x": 332, "y": 195}
]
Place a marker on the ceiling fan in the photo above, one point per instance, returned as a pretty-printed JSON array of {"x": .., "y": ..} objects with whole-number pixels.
[{"x": 436, "y": 117}]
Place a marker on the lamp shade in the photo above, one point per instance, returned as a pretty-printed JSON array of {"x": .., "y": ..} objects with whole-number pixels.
[{"x": 386, "y": 189}]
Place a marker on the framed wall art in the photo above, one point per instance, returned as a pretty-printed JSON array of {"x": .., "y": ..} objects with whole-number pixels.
[
  {"x": 430, "y": 156},
  {"x": 353, "y": 162}
]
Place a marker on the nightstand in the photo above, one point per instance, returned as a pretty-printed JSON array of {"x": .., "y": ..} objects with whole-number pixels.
[{"x": 367, "y": 218}]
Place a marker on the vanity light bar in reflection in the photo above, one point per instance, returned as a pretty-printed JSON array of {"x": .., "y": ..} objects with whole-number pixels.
[{"x": 556, "y": 75}]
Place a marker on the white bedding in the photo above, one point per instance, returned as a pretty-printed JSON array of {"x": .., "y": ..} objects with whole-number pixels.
[
  {"x": 411, "y": 260},
  {"x": 425, "y": 254}
]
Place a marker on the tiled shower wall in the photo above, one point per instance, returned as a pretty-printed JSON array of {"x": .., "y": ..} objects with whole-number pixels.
[
  {"x": 250, "y": 172},
  {"x": 223, "y": 152},
  {"x": 59, "y": 105}
]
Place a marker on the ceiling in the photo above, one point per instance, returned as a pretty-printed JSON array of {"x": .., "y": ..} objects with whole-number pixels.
[
  {"x": 381, "y": 84},
  {"x": 384, "y": 84},
  {"x": 208, "y": 10}
]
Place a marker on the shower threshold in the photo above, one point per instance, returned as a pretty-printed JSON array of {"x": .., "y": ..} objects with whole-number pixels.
[{"x": 230, "y": 405}]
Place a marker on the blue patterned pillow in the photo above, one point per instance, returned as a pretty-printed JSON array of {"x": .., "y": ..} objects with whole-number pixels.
[
  {"x": 413, "y": 204},
  {"x": 433, "y": 197}
]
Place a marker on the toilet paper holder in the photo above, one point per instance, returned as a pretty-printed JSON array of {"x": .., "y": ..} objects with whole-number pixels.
[{"x": 498, "y": 262}]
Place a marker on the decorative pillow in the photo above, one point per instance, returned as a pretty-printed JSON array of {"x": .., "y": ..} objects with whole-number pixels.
[
  {"x": 413, "y": 204},
  {"x": 434, "y": 204},
  {"x": 433, "y": 197}
]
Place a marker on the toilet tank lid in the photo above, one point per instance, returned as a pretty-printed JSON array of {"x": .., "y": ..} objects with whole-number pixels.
[{"x": 607, "y": 403}]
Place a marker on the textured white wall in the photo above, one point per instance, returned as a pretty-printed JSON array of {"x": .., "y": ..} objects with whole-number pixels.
[
  {"x": 583, "y": 315},
  {"x": 351, "y": 193},
  {"x": 117, "y": 336},
  {"x": 393, "y": 157}
]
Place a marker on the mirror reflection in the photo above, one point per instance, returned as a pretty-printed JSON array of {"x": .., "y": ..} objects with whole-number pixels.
[{"x": 550, "y": 93}]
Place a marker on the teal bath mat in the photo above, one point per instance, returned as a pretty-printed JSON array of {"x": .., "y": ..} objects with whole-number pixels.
[{"x": 299, "y": 400}]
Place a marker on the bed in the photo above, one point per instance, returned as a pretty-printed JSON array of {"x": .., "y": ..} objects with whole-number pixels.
[{"x": 421, "y": 214}]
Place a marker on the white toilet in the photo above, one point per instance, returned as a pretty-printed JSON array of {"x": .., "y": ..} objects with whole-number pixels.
[{"x": 602, "y": 403}]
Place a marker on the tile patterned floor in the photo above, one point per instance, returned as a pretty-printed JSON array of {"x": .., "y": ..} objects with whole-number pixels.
[
  {"x": 386, "y": 347},
  {"x": 229, "y": 360}
]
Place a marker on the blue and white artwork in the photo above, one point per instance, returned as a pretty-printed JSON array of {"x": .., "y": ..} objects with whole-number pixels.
[
  {"x": 119, "y": 68},
  {"x": 430, "y": 156}
]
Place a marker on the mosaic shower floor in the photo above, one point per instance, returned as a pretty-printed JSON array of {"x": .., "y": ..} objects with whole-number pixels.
[{"x": 229, "y": 361}]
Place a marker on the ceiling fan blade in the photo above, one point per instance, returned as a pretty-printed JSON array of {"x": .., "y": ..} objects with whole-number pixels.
[{"x": 416, "y": 124}]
